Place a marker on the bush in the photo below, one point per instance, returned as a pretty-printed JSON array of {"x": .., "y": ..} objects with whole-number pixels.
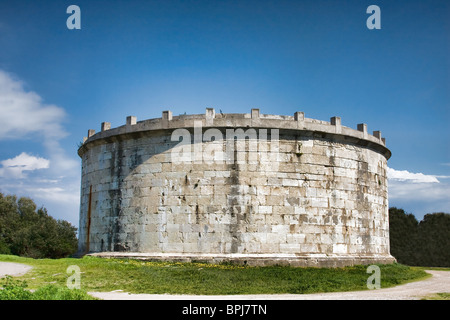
[
  {"x": 16, "y": 290},
  {"x": 52, "y": 292}
]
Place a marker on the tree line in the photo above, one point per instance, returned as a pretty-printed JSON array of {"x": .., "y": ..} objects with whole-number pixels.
[
  {"x": 425, "y": 243},
  {"x": 26, "y": 230}
]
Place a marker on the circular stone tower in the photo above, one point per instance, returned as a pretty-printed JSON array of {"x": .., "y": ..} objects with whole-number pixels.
[{"x": 246, "y": 188}]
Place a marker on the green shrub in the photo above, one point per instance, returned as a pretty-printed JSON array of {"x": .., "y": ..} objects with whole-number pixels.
[
  {"x": 14, "y": 290},
  {"x": 17, "y": 290},
  {"x": 52, "y": 292}
]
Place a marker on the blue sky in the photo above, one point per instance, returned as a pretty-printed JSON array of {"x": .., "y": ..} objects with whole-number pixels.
[{"x": 142, "y": 57}]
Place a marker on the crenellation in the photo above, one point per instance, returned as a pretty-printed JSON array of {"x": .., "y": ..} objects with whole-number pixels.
[
  {"x": 131, "y": 120},
  {"x": 377, "y": 134},
  {"x": 105, "y": 126},
  {"x": 254, "y": 118},
  {"x": 90, "y": 133},
  {"x": 255, "y": 113},
  {"x": 167, "y": 115},
  {"x": 336, "y": 121},
  {"x": 363, "y": 128}
]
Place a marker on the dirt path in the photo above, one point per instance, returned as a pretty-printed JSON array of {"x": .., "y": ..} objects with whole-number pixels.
[{"x": 439, "y": 282}]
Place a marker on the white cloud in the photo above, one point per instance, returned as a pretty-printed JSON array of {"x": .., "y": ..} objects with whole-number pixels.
[
  {"x": 52, "y": 181},
  {"x": 15, "y": 167},
  {"x": 418, "y": 192},
  {"x": 56, "y": 194},
  {"x": 404, "y": 175},
  {"x": 24, "y": 113}
]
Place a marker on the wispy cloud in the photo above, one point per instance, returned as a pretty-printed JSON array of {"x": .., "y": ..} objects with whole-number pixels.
[
  {"x": 52, "y": 180},
  {"x": 60, "y": 195},
  {"x": 23, "y": 112}
]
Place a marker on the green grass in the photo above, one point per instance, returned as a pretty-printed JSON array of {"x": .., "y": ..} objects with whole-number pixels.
[
  {"x": 137, "y": 276},
  {"x": 438, "y": 296}
]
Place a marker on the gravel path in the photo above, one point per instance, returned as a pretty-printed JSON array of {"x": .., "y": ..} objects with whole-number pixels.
[{"x": 439, "y": 282}]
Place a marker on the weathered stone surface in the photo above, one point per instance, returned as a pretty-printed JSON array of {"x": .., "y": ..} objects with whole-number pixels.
[{"x": 319, "y": 200}]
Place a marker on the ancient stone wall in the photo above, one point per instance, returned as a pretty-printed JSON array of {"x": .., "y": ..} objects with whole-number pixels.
[{"x": 253, "y": 188}]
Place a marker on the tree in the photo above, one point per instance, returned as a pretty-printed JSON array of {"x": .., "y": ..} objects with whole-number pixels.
[
  {"x": 402, "y": 235},
  {"x": 434, "y": 240},
  {"x": 28, "y": 231},
  {"x": 425, "y": 243}
]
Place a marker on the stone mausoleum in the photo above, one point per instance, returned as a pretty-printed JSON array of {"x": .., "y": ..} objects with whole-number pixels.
[{"x": 247, "y": 188}]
